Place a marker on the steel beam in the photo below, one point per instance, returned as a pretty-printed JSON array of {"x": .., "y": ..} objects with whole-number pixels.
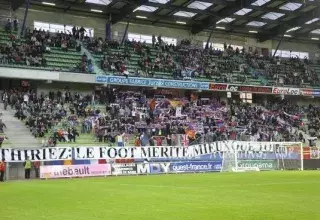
[
  {"x": 211, "y": 21},
  {"x": 127, "y": 10},
  {"x": 284, "y": 26}
]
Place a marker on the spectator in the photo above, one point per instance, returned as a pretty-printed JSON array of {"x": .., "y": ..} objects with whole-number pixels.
[
  {"x": 2, "y": 170},
  {"x": 8, "y": 26},
  {"x": 36, "y": 166}
]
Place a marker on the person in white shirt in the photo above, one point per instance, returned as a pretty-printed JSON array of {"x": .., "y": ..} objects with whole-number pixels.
[
  {"x": 26, "y": 98},
  {"x": 93, "y": 103},
  {"x": 120, "y": 140}
]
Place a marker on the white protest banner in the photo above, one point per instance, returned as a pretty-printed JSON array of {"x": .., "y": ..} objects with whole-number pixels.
[
  {"x": 39, "y": 154},
  {"x": 88, "y": 153}
]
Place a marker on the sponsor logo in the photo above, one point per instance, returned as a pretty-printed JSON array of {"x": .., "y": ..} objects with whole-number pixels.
[
  {"x": 316, "y": 92},
  {"x": 135, "y": 81},
  {"x": 153, "y": 168},
  {"x": 261, "y": 164},
  {"x": 48, "y": 172},
  {"x": 124, "y": 169},
  {"x": 233, "y": 88},
  {"x": 286, "y": 91},
  {"x": 252, "y": 89},
  {"x": 195, "y": 166},
  {"x": 221, "y": 87},
  {"x": 306, "y": 92}
]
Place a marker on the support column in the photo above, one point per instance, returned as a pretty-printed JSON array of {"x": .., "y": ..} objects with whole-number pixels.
[
  {"x": 209, "y": 38},
  {"x": 25, "y": 17},
  {"x": 275, "y": 52},
  {"x": 125, "y": 32},
  {"x": 108, "y": 31}
]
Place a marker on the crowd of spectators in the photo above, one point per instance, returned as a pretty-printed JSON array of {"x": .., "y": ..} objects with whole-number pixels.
[
  {"x": 293, "y": 71},
  {"x": 30, "y": 50},
  {"x": 314, "y": 120},
  {"x": 188, "y": 62},
  {"x": 142, "y": 118},
  {"x": 184, "y": 61},
  {"x": 47, "y": 116},
  {"x": 161, "y": 121},
  {"x": 16, "y": 51},
  {"x": 110, "y": 62}
]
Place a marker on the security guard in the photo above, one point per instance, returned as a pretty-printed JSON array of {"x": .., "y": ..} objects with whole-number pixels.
[
  {"x": 27, "y": 168},
  {"x": 2, "y": 170}
]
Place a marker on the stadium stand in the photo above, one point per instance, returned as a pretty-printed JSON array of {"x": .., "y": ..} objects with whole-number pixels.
[
  {"x": 43, "y": 51},
  {"x": 59, "y": 125},
  {"x": 62, "y": 117},
  {"x": 15, "y": 134},
  {"x": 184, "y": 62},
  {"x": 108, "y": 88},
  {"x": 74, "y": 51},
  {"x": 63, "y": 53},
  {"x": 170, "y": 62}
]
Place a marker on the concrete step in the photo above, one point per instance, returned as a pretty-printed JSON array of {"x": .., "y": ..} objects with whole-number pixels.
[{"x": 18, "y": 134}]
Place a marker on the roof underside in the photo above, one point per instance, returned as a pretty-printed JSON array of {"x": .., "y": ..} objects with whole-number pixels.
[{"x": 264, "y": 19}]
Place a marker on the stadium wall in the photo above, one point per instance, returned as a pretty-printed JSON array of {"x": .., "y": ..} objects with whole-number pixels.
[
  {"x": 63, "y": 18},
  {"x": 312, "y": 48},
  {"x": 82, "y": 88},
  {"x": 98, "y": 25}
]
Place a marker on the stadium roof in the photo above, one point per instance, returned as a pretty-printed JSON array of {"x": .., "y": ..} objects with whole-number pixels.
[{"x": 264, "y": 19}]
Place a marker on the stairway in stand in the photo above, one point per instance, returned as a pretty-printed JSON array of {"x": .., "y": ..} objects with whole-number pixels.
[{"x": 18, "y": 134}]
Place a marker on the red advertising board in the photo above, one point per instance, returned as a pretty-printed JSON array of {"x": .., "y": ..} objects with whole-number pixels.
[
  {"x": 221, "y": 87},
  {"x": 306, "y": 92},
  {"x": 252, "y": 89}
]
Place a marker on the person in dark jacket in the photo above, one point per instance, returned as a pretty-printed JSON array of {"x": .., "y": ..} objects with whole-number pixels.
[{"x": 36, "y": 166}]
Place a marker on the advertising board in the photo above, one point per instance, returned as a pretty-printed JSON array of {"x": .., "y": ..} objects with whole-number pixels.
[
  {"x": 261, "y": 164},
  {"x": 251, "y": 89},
  {"x": 286, "y": 91},
  {"x": 68, "y": 171},
  {"x": 124, "y": 169},
  {"x": 163, "y": 83}
]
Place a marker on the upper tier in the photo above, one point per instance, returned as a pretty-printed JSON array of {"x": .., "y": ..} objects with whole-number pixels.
[{"x": 66, "y": 54}]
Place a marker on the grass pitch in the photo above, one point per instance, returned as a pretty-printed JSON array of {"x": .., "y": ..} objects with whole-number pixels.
[{"x": 226, "y": 196}]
